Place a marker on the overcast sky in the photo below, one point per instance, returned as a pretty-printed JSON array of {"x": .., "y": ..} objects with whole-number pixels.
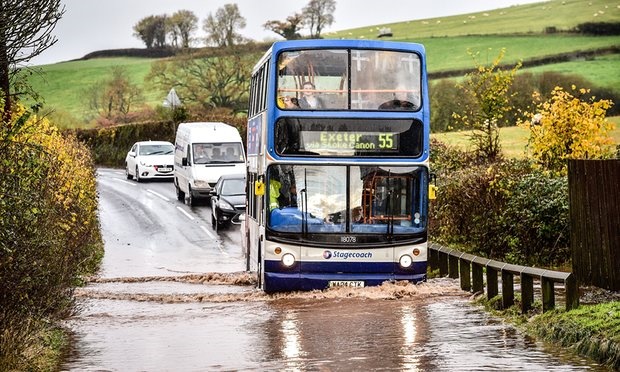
[{"x": 91, "y": 25}]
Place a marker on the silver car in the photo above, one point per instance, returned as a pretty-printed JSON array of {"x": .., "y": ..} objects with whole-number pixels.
[{"x": 150, "y": 160}]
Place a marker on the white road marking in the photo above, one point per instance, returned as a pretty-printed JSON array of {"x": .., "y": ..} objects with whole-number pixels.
[
  {"x": 123, "y": 181},
  {"x": 158, "y": 195},
  {"x": 208, "y": 232},
  {"x": 219, "y": 245},
  {"x": 185, "y": 213}
]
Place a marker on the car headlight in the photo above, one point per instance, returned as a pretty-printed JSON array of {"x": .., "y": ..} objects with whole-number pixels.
[
  {"x": 225, "y": 206},
  {"x": 144, "y": 164},
  {"x": 288, "y": 260}
]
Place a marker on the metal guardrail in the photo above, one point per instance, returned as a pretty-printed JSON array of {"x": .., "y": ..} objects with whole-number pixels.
[{"x": 470, "y": 269}]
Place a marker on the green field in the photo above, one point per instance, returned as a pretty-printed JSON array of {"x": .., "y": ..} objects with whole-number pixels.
[
  {"x": 518, "y": 29},
  {"x": 63, "y": 85},
  {"x": 604, "y": 70},
  {"x": 513, "y": 139}
]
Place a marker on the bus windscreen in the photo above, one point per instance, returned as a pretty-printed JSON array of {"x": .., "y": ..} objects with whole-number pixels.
[{"x": 349, "y": 79}]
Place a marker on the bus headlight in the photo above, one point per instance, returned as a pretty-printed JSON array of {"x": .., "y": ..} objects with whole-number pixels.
[
  {"x": 288, "y": 260},
  {"x": 405, "y": 261}
]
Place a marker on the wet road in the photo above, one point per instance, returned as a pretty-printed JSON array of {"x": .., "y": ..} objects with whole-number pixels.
[{"x": 172, "y": 296}]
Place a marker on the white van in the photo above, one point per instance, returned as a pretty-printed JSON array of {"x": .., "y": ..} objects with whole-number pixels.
[{"x": 202, "y": 153}]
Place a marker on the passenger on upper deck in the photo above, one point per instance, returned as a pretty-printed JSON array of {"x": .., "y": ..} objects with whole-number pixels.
[
  {"x": 286, "y": 102},
  {"x": 309, "y": 99}
]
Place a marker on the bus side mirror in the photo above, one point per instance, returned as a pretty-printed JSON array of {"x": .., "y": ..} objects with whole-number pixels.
[
  {"x": 259, "y": 188},
  {"x": 432, "y": 188},
  {"x": 432, "y": 192}
]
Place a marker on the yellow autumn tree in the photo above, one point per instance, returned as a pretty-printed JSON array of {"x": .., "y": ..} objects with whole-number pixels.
[{"x": 567, "y": 127}]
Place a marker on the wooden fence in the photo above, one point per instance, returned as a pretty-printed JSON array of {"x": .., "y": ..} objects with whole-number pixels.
[
  {"x": 594, "y": 188},
  {"x": 470, "y": 269}
]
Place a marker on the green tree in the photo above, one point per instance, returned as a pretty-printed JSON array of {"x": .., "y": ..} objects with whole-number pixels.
[
  {"x": 318, "y": 14},
  {"x": 487, "y": 87},
  {"x": 567, "y": 127},
  {"x": 210, "y": 82},
  {"x": 25, "y": 32},
  {"x": 288, "y": 29},
  {"x": 152, "y": 31},
  {"x": 222, "y": 29},
  {"x": 181, "y": 26}
]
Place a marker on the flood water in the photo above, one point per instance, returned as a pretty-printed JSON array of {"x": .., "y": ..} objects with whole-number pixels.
[
  {"x": 172, "y": 296},
  {"x": 179, "y": 325}
]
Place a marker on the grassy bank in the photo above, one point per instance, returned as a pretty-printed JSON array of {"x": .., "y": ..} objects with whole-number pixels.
[{"x": 591, "y": 330}]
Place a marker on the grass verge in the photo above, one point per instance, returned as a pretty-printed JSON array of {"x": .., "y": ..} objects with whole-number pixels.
[{"x": 592, "y": 330}]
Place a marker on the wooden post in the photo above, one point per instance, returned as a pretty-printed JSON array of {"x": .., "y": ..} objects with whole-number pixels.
[
  {"x": 527, "y": 292},
  {"x": 464, "y": 271},
  {"x": 492, "y": 286},
  {"x": 572, "y": 292},
  {"x": 478, "y": 281},
  {"x": 443, "y": 263},
  {"x": 548, "y": 295},
  {"x": 433, "y": 260},
  {"x": 508, "y": 289},
  {"x": 453, "y": 267}
]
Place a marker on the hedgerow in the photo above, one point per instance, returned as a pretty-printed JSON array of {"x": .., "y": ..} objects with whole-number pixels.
[
  {"x": 506, "y": 210},
  {"x": 49, "y": 231}
]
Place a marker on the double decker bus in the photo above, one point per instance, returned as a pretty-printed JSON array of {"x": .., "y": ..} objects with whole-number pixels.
[{"x": 338, "y": 176}]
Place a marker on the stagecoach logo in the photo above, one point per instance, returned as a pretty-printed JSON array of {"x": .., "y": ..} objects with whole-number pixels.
[{"x": 345, "y": 255}]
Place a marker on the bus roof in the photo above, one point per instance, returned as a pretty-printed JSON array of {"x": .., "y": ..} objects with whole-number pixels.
[{"x": 339, "y": 44}]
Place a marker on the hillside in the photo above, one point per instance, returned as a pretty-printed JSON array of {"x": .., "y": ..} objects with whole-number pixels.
[
  {"x": 519, "y": 29},
  {"x": 519, "y": 19}
]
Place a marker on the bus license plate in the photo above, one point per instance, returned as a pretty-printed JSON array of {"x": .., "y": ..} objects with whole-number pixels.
[{"x": 345, "y": 283}]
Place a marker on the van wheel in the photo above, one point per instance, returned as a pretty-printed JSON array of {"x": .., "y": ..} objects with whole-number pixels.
[
  {"x": 191, "y": 201},
  {"x": 180, "y": 194}
]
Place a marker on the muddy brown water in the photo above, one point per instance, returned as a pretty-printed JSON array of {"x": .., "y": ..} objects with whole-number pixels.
[{"x": 172, "y": 296}]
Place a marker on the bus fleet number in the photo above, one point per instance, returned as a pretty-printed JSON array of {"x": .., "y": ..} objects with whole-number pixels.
[{"x": 348, "y": 239}]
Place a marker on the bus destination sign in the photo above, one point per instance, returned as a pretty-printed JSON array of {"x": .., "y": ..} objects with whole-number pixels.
[{"x": 356, "y": 141}]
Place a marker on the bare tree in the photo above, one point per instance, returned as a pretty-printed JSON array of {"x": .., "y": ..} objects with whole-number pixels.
[
  {"x": 288, "y": 29},
  {"x": 182, "y": 24},
  {"x": 114, "y": 97},
  {"x": 318, "y": 14},
  {"x": 25, "y": 32},
  {"x": 222, "y": 28}
]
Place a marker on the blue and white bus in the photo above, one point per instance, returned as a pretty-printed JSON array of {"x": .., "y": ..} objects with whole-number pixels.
[{"x": 338, "y": 177}]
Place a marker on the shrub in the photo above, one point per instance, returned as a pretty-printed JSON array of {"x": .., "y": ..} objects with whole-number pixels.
[
  {"x": 503, "y": 210},
  {"x": 49, "y": 230}
]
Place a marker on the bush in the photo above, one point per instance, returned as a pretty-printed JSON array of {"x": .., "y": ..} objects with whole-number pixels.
[
  {"x": 599, "y": 28},
  {"x": 503, "y": 210},
  {"x": 49, "y": 231}
]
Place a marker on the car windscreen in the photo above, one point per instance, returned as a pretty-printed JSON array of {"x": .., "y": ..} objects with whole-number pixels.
[
  {"x": 146, "y": 150},
  {"x": 233, "y": 187}
]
